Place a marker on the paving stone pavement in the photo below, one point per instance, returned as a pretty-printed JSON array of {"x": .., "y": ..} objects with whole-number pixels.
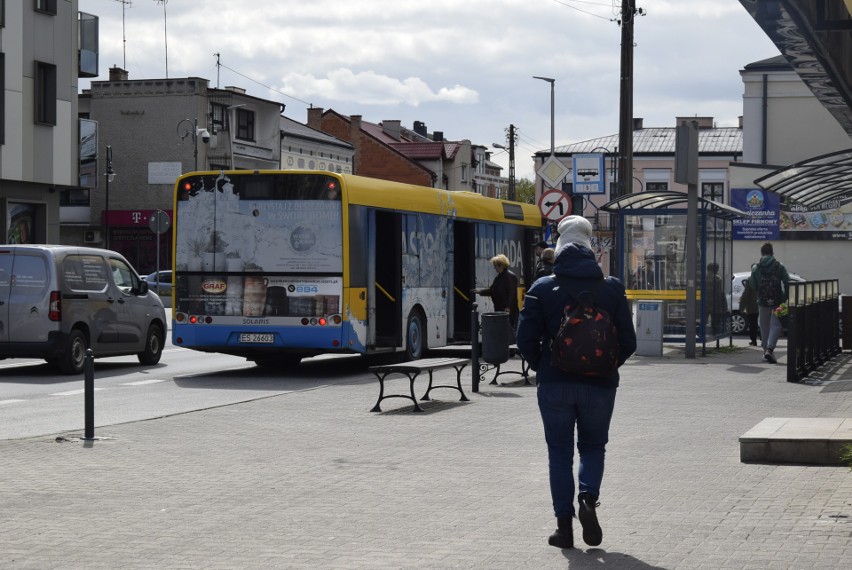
[{"x": 312, "y": 479}]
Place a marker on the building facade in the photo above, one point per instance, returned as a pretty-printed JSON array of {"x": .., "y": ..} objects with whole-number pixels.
[{"x": 39, "y": 141}]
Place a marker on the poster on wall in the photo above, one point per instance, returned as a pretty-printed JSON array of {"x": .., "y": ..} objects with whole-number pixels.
[
  {"x": 763, "y": 210},
  {"x": 770, "y": 220},
  {"x": 19, "y": 223}
]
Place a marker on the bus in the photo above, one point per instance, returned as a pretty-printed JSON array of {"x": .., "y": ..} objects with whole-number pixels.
[{"x": 277, "y": 266}]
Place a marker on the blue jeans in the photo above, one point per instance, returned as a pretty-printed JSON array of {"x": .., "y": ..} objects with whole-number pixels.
[
  {"x": 770, "y": 327},
  {"x": 564, "y": 405}
]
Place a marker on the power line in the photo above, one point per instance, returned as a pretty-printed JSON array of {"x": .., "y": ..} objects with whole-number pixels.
[
  {"x": 586, "y": 11},
  {"x": 263, "y": 84}
]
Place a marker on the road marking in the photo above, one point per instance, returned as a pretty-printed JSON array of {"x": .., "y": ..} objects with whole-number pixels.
[
  {"x": 19, "y": 364},
  {"x": 9, "y": 401},
  {"x": 72, "y": 392},
  {"x": 143, "y": 382}
]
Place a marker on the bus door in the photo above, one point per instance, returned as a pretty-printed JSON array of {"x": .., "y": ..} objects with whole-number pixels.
[
  {"x": 464, "y": 273},
  {"x": 384, "y": 276}
]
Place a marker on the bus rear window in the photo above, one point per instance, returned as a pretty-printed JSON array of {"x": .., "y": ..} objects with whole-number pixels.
[{"x": 252, "y": 186}]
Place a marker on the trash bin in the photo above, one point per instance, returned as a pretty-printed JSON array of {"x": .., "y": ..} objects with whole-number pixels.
[{"x": 495, "y": 337}]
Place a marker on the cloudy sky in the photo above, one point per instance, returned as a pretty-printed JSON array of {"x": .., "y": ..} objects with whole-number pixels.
[{"x": 462, "y": 67}]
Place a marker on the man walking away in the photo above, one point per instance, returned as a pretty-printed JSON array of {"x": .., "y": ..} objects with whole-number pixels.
[
  {"x": 567, "y": 400},
  {"x": 771, "y": 282}
]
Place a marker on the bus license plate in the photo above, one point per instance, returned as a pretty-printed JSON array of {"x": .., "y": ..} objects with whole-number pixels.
[{"x": 257, "y": 338}]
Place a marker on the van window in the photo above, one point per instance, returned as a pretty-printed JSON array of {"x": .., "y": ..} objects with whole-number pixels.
[
  {"x": 124, "y": 277},
  {"x": 29, "y": 274},
  {"x": 85, "y": 272}
]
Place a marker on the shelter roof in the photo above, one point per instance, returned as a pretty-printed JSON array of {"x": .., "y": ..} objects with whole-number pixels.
[
  {"x": 634, "y": 204},
  {"x": 813, "y": 181}
]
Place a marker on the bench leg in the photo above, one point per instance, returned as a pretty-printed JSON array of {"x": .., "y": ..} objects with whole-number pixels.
[{"x": 377, "y": 407}]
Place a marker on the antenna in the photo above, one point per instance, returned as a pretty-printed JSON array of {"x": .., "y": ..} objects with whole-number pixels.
[
  {"x": 218, "y": 66},
  {"x": 124, "y": 4},
  {"x": 165, "y": 33}
]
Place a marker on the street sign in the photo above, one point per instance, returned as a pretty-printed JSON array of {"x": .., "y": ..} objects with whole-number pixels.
[
  {"x": 159, "y": 222},
  {"x": 553, "y": 171},
  {"x": 589, "y": 174},
  {"x": 554, "y": 205}
]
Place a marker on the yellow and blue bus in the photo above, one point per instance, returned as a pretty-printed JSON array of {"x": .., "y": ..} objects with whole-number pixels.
[{"x": 276, "y": 266}]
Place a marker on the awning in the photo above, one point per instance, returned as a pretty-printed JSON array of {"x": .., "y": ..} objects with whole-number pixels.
[
  {"x": 633, "y": 204},
  {"x": 813, "y": 181}
]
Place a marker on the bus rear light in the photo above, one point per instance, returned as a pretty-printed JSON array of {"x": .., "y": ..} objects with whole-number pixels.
[
  {"x": 314, "y": 321},
  {"x": 208, "y": 320},
  {"x": 55, "y": 309},
  {"x": 335, "y": 343},
  {"x": 336, "y": 319},
  {"x": 322, "y": 321},
  {"x": 193, "y": 320},
  {"x": 180, "y": 317},
  {"x": 305, "y": 321},
  {"x": 179, "y": 340}
]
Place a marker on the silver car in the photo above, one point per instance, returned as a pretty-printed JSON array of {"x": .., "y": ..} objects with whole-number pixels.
[{"x": 58, "y": 301}]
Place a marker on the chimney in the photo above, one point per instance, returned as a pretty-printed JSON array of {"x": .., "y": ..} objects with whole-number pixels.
[
  {"x": 354, "y": 128},
  {"x": 438, "y": 136},
  {"x": 392, "y": 128},
  {"x": 740, "y": 121},
  {"x": 703, "y": 122},
  {"x": 315, "y": 118},
  {"x": 420, "y": 128},
  {"x": 638, "y": 123},
  {"x": 117, "y": 74},
  {"x": 234, "y": 89}
]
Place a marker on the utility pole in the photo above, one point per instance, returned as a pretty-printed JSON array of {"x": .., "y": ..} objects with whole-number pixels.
[
  {"x": 625, "y": 119},
  {"x": 511, "y": 163}
]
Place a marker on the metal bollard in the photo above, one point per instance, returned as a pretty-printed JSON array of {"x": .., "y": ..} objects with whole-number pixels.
[
  {"x": 89, "y": 391},
  {"x": 474, "y": 347}
]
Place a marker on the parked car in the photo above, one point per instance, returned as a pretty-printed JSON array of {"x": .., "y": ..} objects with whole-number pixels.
[
  {"x": 738, "y": 321},
  {"x": 160, "y": 281},
  {"x": 58, "y": 301}
]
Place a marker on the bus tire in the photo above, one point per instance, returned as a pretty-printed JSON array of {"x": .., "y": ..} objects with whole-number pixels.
[
  {"x": 415, "y": 336},
  {"x": 153, "y": 346}
]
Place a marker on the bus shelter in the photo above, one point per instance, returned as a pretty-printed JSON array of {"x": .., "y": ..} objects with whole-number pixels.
[{"x": 652, "y": 261}]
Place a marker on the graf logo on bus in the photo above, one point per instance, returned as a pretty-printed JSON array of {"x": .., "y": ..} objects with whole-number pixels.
[
  {"x": 214, "y": 286},
  {"x": 303, "y": 239}
]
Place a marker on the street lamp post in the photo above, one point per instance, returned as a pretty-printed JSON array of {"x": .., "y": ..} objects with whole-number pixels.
[
  {"x": 552, "y": 111},
  {"x": 190, "y": 128},
  {"x": 511, "y": 150},
  {"x": 109, "y": 176}
]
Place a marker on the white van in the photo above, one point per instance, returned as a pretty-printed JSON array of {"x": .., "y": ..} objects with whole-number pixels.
[{"x": 57, "y": 301}]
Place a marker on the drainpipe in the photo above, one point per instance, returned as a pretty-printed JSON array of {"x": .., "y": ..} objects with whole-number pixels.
[{"x": 764, "y": 101}]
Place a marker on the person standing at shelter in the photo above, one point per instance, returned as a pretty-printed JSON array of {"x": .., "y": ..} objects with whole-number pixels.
[
  {"x": 771, "y": 282},
  {"x": 566, "y": 400},
  {"x": 717, "y": 303},
  {"x": 548, "y": 256},
  {"x": 749, "y": 310},
  {"x": 538, "y": 250},
  {"x": 503, "y": 290}
]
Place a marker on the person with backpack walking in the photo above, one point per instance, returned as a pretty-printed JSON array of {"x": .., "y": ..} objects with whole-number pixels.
[
  {"x": 577, "y": 375},
  {"x": 771, "y": 282}
]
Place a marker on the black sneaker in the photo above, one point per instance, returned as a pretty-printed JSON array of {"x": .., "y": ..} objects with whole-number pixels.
[
  {"x": 592, "y": 533},
  {"x": 770, "y": 358}
]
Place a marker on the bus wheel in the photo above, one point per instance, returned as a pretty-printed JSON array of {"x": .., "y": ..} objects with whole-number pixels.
[
  {"x": 282, "y": 362},
  {"x": 415, "y": 339}
]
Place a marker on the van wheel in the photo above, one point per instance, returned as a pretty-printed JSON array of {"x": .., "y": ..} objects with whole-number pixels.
[
  {"x": 415, "y": 336},
  {"x": 153, "y": 346},
  {"x": 738, "y": 323},
  {"x": 75, "y": 353}
]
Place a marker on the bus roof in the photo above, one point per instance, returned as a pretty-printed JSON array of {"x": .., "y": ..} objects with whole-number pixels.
[{"x": 460, "y": 204}]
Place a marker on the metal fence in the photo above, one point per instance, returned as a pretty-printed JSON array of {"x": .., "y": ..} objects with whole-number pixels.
[{"x": 813, "y": 327}]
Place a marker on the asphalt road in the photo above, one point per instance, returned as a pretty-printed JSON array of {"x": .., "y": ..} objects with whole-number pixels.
[{"x": 35, "y": 401}]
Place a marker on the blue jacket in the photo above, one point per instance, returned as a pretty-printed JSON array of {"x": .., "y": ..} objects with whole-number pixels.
[{"x": 544, "y": 305}]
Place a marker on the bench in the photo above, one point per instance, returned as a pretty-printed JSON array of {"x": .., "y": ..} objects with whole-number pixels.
[{"x": 412, "y": 370}]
